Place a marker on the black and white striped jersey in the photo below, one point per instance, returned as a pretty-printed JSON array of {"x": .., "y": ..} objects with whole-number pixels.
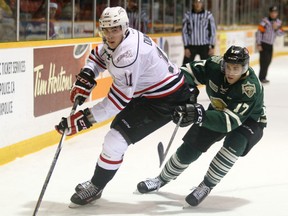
[
  {"x": 199, "y": 28},
  {"x": 266, "y": 33}
]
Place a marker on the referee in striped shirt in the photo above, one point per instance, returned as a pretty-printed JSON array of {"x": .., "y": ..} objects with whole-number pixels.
[
  {"x": 268, "y": 29},
  {"x": 198, "y": 32}
]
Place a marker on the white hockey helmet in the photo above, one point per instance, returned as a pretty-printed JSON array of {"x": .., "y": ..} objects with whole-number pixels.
[{"x": 114, "y": 16}]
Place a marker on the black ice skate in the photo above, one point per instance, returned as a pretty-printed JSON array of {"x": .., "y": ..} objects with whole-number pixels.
[
  {"x": 198, "y": 194},
  {"x": 82, "y": 186},
  {"x": 85, "y": 193},
  {"x": 150, "y": 185}
]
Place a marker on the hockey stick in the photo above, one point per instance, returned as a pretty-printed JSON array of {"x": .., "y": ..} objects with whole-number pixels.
[
  {"x": 53, "y": 163},
  {"x": 160, "y": 146}
]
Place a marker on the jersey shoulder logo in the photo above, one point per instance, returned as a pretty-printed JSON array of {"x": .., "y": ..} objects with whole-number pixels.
[
  {"x": 249, "y": 89},
  {"x": 213, "y": 86},
  {"x": 216, "y": 59}
]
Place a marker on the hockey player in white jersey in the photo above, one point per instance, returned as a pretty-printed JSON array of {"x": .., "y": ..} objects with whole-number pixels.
[{"x": 146, "y": 89}]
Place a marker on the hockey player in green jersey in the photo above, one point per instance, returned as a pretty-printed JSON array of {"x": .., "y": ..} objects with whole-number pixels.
[{"x": 236, "y": 113}]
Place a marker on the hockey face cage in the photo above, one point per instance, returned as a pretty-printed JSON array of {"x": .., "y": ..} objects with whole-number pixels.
[
  {"x": 113, "y": 17},
  {"x": 237, "y": 55}
]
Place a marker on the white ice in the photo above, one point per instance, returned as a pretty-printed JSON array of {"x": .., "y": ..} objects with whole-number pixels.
[{"x": 257, "y": 185}]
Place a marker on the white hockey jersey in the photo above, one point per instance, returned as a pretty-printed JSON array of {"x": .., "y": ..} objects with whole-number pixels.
[{"x": 139, "y": 68}]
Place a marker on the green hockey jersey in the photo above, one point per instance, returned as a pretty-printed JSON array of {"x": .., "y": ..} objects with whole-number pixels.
[{"x": 230, "y": 104}]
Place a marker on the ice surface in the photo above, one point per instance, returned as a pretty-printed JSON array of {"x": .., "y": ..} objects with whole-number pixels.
[{"x": 257, "y": 184}]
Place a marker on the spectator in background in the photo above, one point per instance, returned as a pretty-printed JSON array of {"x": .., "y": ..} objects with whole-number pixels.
[
  {"x": 40, "y": 16},
  {"x": 41, "y": 13},
  {"x": 268, "y": 29},
  {"x": 67, "y": 11},
  {"x": 52, "y": 11},
  {"x": 7, "y": 22},
  {"x": 133, "y": 15},
  {"x": 28, "y": 8},
  {"x": 5, "y": 9},
  {"x": 86, "y": 10},
  {"x": 198, "y": 32}
]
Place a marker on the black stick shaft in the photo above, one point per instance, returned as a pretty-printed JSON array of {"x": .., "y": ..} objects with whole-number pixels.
[
  {"x": 162, "y": 157},
  {"x": 53, "y": 164}
]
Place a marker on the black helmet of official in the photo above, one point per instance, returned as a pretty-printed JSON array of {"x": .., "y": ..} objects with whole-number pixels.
[{"x": 237, "y": 55}]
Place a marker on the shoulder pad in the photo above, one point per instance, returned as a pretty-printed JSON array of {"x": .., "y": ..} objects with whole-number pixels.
[
  {"x": 216, "y": 59},
  {"x": 251, "y": 86}
]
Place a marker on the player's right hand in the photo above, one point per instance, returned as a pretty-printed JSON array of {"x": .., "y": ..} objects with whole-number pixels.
[
  {"x": 83, "y": 86},
  {"x": 187, "y": 53},
  {"x": 74, "y": 123},
  {"x": 192, "y": 113}
]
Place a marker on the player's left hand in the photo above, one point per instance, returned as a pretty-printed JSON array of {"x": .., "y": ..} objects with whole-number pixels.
[
  {"x": 275, "y": 26},
  {"x": 74, "y": 123},
  {"x": 83, "y": 86},
  {"x": 192, "y": 113},
  {"x": 211, "y": 52}
]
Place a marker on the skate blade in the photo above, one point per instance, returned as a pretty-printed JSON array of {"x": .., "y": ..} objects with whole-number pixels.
[
  {"x": 73, "y": 205},
  {"x": 137, "y": 192},
  {"x": 186, "y": 206}
]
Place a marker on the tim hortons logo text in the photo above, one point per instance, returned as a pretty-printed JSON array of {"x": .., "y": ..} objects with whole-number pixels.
[{"x": 55, "y": 82}]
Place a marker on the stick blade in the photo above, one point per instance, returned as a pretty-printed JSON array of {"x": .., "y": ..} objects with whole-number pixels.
[{"x": 160, "y": 153}]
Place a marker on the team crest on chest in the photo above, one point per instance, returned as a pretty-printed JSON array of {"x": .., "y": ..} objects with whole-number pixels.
[
  {"x": 249, "y": 89},
  {"x": 127, "y": 54},
  {"x": 218, "y": 103},
  {"x": 223, "y": 90}
]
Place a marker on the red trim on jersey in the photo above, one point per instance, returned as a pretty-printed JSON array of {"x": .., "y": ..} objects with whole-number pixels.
[
  {"x": 99, "y": 57},
  {"x": 97, "y": 62},
  {"x": 114, "y": 102},
  {"x": 167, "y": 93},
  {"x": 153, "y": 86},
  {"x": 109, "y": 161},
  {"x": 119, "y": 92}
]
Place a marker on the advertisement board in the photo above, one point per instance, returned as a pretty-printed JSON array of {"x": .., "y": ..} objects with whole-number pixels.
[
  {"x": 54, "y": 71},
  {"x": 15, "y": 92},
  {"x": 35, "y": 84}
]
